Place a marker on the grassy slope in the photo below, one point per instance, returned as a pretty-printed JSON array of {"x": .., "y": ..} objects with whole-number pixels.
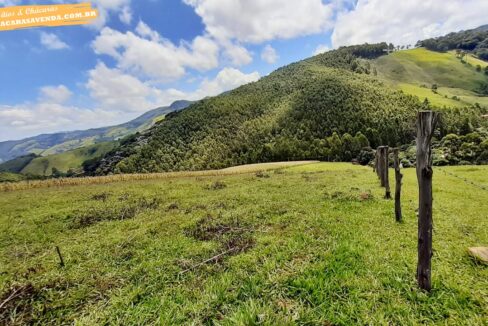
[
  {"x": 320, "y": 256},
  {"x": 72, "y": 154},
  {"x": 64, "y": 161},
  {"x": 10, "y": 177},
  {"x": 69, "y": 145},
  {"x": 285, "y": 115},
  {"x": 410, "y": 70},
  {"x": 16, "y": 165}
]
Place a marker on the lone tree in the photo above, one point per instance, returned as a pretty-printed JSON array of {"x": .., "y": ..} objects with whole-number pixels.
[{"x": 426, "y": 123}]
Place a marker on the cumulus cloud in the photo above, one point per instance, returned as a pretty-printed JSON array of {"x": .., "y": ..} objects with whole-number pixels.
[
  {"x": 30, "y": 119},
  {"x": 236, "y": 54},
  {"x": 115, "y": 91},
  {"x": 107, "y": 7},
  {"x": 257, "y": 21},
  {"x": 162, "y": 59},
  {"x": 321, "y": 48},
  {"x": 227, "y": 79},
  {"x": 269, "y": 54},
  {"x": 55, "y": 94},
  {"x": 49, "y": 114},
  {"x": 125, "y": 15},
  {"x": 118, "y": 97},
  {"x": 52, "y": 42},
  {"x": 406, "y": 22}
]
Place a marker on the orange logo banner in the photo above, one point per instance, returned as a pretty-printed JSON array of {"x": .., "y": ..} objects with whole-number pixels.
[{"x": 48, "y": 15}]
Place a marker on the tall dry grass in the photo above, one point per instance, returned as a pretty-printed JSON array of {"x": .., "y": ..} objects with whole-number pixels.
[{"x": 62, "y": 182}]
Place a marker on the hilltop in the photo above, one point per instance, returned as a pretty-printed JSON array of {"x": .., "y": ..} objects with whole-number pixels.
[
  {"x": 458, "y": 83},
  {"x": 474, "y": 41}
]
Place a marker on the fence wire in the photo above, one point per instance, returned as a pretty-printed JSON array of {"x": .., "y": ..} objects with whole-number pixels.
[{"x": 477, "y": 185}]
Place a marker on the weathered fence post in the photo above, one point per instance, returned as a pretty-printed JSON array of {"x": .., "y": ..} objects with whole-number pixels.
[
  {"x": 386, "y": 172},
  {"x": 381, "y": 165},
  {"x": 377, "y": 162},
  {"x": 426, "y": 122},
  {"x": 398, "y": 185}
]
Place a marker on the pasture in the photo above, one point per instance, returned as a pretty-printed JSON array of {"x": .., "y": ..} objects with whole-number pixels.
[{"x": 312, "y": 244}]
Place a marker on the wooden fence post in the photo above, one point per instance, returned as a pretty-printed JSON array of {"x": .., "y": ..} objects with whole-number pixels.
[
  {"x": 381, "y": 165},
  {"x": 398, "y": 185},
  {"x": 376, "y": 163},
  {"x": 386, "y": 172},
  {"x": 426, "y": 122}
]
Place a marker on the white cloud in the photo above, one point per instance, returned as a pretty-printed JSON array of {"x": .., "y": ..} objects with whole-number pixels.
[
  {"x": 406, "y": 22},
  {"x": 115, "y": 91},
  {"x": 153, "y": 56},
  {"x": 145, "y": 31},
  {"x": 321, "y": 48},
  {"x": 119, "y": 98},
  {"x": 52, "y": 42},
  {"x": 30, "y": 119},
  {"x": 257, "y": 21},
  {"x": 125, "y": 15},
  {"x": 55, "y": 94},
  {"x": 269, "y": 54},
  {"x": 107, "y": 7},
  {"x": 236, "y": 54},
  {"x": 227, "y": 79}
]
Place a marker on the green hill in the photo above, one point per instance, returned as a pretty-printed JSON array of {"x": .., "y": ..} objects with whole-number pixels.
[
  {"x": 416, "y": 71},
  {"x": 328, "y": 107},
  {"x": 63, "y": 162},
  {"x": 11, "y": 177},
  {"x": 61, "y": 142},
  {"x": 17, "y": 164},
  {"x": 474, "y": 41}
]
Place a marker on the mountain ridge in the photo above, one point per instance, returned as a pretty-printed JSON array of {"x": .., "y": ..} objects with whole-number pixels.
[
  {"x": 63, "y": 141},
  {"x": 329, "y": 107}
]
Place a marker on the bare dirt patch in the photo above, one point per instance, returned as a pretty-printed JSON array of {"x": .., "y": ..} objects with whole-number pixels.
[{"x": 233, "y": 237}]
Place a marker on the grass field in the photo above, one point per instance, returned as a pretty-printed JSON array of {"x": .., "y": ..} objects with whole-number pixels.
[
  {"x": 415, "y": 71},
  {"x": 68, "y": 160},
  {"x": 312, "y": 245}
]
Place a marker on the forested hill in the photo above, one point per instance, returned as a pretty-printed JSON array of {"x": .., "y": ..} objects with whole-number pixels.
[
  {"x": 473, "y": 40},
  {"x": 327, "y": 107}
]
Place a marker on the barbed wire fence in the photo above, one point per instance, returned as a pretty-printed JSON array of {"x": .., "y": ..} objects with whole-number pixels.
[{"x": 465, "y": 180}]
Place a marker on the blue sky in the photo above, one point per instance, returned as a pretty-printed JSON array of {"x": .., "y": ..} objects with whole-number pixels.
[{"x": 147, "y": 53}]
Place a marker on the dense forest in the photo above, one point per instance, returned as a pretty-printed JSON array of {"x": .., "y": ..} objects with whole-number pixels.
[
  {"x": 329, "y": 107},
  {"x": 474, "y": 41}
]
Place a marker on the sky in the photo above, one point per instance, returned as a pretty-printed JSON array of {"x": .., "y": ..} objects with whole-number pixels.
[{"x": 143, "y": 54}]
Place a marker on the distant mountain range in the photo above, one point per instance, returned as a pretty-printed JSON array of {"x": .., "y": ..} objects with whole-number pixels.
[{"x": 48, "y": 144}]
